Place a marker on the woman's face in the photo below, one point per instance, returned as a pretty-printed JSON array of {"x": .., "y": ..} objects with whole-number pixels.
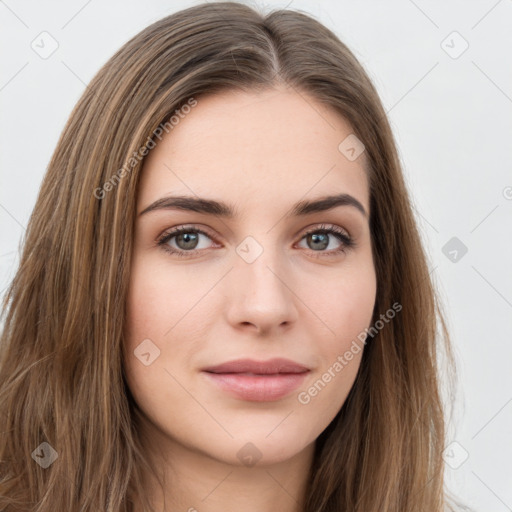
[{"x": 259, "y": 281}]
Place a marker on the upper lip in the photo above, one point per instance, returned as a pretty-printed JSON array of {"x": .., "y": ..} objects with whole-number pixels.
[{"x": 271, "y": 366}]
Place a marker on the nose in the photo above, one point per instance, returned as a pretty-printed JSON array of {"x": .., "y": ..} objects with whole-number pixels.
[{"x": 260, "y": 295}]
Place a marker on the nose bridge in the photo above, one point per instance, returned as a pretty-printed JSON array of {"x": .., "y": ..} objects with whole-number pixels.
[
  {"x": 258, "y": 263},
  {"x": 260, "y": 292}
]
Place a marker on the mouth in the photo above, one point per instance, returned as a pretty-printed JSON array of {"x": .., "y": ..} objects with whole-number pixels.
[
  {"x": 257, "y": 381},
  {"x": 271, "y": 366}
]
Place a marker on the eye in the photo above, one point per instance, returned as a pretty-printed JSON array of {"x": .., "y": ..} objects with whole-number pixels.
[
  {"x": 183, "y": 240},
  {"x": 186, "y": 241},
  {"x": 320, "y": 238}
]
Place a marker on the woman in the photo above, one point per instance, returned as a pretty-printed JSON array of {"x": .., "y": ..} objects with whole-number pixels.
[{"x": 222, "y": 299}]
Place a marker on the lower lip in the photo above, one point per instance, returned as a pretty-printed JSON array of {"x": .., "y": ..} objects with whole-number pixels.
[{"x": 258, "y": 388}]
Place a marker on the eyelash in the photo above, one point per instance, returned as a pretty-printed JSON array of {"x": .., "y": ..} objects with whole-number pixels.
[{"x": 347, "y": 242}]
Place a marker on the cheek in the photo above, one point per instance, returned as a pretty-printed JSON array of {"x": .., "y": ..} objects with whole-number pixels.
[
  {"x": 351, "y": 315},
  {"x": 148, "y": 317},
  {"x": 156, "y": 298},
  {"x": 151, "y": 311},
  {"x": 345, "y": 306},
  {"x": 159, "y": 311},
  {"x": 344, "y": 303},
  {"x": 352, "y": 303}
]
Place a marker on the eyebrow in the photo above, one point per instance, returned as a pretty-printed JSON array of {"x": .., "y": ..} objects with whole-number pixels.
[{"x": 218, "y": 208}]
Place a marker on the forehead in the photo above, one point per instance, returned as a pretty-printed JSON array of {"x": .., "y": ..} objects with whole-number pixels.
[{"x": 276, "y": 146}]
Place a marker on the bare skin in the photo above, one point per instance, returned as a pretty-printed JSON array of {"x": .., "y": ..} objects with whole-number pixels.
[{"x": 299, "y": 299}]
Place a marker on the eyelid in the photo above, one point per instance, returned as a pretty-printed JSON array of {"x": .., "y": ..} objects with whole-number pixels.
[
  {"x": 325, "y": 227},
  {"x": 182, "y": 227}
]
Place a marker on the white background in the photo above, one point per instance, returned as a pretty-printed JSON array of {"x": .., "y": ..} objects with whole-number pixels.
[{"x": 452, "y": 118}]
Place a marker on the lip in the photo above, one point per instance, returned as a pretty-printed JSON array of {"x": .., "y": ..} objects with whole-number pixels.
[
  {"x": 271, "y": 366},
  {"x": 258, "y": 381}
]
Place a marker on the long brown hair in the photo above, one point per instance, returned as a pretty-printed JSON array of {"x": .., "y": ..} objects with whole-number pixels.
[{"x": 61, "y": 372}]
